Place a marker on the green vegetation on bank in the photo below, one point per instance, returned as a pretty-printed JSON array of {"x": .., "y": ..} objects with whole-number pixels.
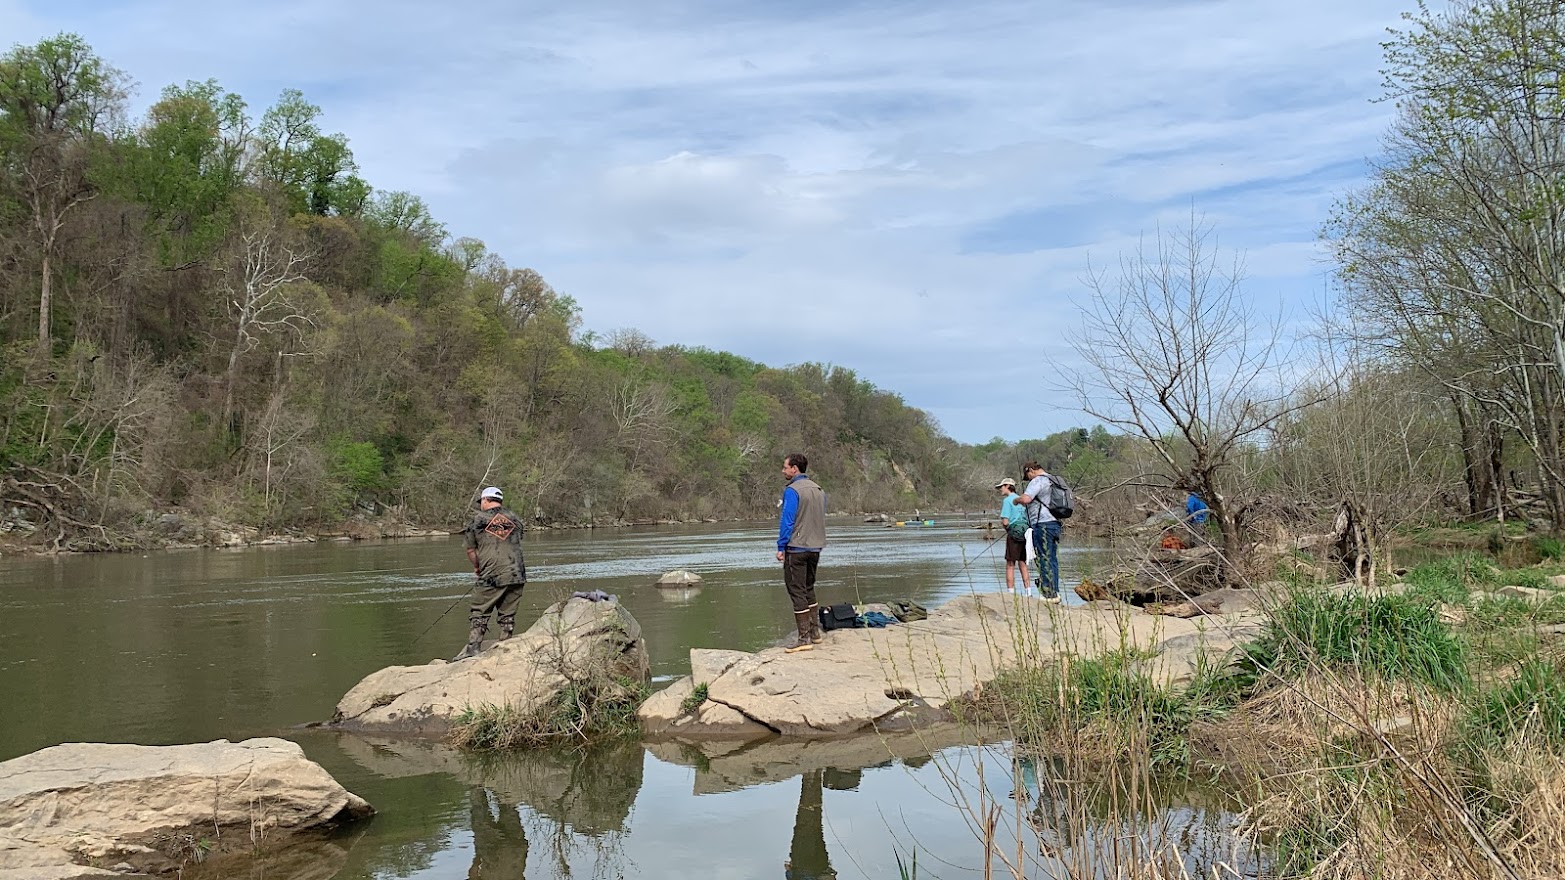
[
  {"x": 1370, "y": 729},
  {"x": 208, "y": 307}
]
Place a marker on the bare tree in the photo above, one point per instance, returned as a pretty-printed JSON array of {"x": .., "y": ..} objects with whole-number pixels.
[
  {"x": 1180, "y": 360},
  {"x": 262, "y": 285}
]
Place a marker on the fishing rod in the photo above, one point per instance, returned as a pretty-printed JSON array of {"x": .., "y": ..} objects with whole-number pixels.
[
  {"x": 442, "y": 616},
  {"x": 992, "y": 545}
]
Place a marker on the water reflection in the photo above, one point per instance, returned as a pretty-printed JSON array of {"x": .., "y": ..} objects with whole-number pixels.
[
  {"x": 589, "y": 789},
  {"x": 499, "y": 843},
  {"x": 807, "y": 856}
]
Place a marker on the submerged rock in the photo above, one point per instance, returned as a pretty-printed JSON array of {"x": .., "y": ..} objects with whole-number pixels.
[
  {"x": 912, "y": 674},
  {"x": 679, "y": 578},
  {"x": 68, "y": 809},
  {"x": 573, "y": 640}
]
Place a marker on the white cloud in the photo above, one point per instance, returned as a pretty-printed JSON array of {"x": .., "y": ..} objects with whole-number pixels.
[{"x": 914, "y": 186}]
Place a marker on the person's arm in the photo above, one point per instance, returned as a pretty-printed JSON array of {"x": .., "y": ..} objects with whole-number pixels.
[
  {"x": 471, "y": 541},
  {"x": 790, "y": 510}
]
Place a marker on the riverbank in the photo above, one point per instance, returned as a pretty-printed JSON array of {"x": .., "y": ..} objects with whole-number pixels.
[
  {"x": 177, "y": 530},
  {"x": 1414, "y": 730}
]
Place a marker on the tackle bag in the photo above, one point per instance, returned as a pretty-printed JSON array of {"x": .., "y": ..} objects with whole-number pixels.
[{"x": 839, "y": 616}]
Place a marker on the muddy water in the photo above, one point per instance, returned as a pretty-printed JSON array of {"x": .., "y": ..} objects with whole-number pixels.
[{"x": 192, "y": 646}]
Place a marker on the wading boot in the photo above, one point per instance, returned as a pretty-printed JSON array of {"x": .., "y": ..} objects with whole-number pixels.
[
  {"x": 801, "y": 621},
  {"x": 816, "y": 636},
  {"x": 507, "y": 627},
  {"x": 475, "y": 642}
]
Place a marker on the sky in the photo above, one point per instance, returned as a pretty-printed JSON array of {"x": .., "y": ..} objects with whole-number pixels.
[{"x": 911, "y": 190}]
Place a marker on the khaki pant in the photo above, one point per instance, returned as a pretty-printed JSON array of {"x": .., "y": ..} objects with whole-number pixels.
[{"x": 490, "y": 598}]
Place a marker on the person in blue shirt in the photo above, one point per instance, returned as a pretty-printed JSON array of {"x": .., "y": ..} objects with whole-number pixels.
[
  {"x": 1196, "y": 510},
  {"x": 801, "y": 535},
  {"x": 1015, "y": 518}
]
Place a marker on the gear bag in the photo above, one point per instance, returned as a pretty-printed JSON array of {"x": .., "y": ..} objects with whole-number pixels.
[
  {"x": 840, "y": 616},
  {"x": 1060, "y": 501}
]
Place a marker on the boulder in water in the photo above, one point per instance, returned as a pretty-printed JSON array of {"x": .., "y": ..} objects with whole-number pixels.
[
  {"x": 572, "y": 641},
  {"x": 66, "y": 809},
  {"x": 679, "y": 578}
]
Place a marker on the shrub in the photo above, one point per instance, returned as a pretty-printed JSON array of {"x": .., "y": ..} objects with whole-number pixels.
[
  {"x": 1393, "y": 638},
  {"x": 582, "y": 711}
]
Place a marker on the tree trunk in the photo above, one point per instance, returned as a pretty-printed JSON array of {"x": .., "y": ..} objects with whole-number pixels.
[{"x": 45, "y": 302}]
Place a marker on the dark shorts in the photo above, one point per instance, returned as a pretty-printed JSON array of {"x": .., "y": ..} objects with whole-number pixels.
[{"x": 1015, "y": 549}]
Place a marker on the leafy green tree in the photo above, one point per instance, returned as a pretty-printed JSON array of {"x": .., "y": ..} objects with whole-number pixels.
[
  {"x": 185, "y": 165},
  {"x": 314, "y": 172},
  {"x": 1451, "y": 255},
  {"x": 57, "y": 101}
]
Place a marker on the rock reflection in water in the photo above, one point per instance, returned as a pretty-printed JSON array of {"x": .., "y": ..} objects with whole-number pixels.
[
  {"x": 820, "y": 764},
  {"x": 728, "y": 766},
  {"x": 553, "y": 804}
]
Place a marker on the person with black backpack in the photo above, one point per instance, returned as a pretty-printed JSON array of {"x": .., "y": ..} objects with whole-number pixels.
[{"x": 1042, "y": 499}]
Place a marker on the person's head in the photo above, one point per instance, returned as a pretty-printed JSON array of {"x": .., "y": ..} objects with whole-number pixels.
[
  {"x": 1006, "y": 486},
  {"x": 491, "y": 498},
  {"x": 794, "y": 464},
  {"x": 1032, "y": 469}
]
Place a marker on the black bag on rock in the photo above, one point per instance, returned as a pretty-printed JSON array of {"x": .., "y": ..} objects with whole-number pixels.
[{"x": 839, "y": 616}]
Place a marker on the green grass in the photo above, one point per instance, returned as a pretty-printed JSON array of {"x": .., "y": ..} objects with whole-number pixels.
[
  {"x": 580, "y": 712},
  {"x": 1391, "y": 638},
  {"x": 693, "y": 702},
  {"x": 1551, "y": 549},
  {"x": 1041, "y": 704},
  {"x": 1531, "y": 702},
  {"x": 1451, "y": 580}
]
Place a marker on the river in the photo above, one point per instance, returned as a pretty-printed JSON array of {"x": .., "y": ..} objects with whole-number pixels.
[{"x": 192, "y": 646}]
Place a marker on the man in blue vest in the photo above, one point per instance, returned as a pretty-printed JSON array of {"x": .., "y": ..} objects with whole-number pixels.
[{"x": 801, "y": 535}]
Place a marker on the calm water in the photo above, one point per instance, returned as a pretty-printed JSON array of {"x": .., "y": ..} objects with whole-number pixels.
[{"x": 192, "y": 646}]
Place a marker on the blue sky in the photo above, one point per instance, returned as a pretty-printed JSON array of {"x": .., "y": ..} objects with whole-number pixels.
[{"x": 908, "y": 189}]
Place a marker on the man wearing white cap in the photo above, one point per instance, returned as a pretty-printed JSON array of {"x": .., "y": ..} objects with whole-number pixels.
[{"x": 494, "y": 547}]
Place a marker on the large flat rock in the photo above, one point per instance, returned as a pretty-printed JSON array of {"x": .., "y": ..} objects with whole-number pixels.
[
  {"x": 572, "y": 640},
  {"x": 67, "y": 810},
  {"x": 906, "y": 676}
]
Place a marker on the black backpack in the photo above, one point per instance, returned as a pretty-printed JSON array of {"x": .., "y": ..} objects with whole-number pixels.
[{"x": 840, "y": 616}]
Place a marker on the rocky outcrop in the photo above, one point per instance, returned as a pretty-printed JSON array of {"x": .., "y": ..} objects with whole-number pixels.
[
  {"x": 70, "y": 810},
  {"x": 572, "y": 641},
  {"x": 907, "y": 676}
]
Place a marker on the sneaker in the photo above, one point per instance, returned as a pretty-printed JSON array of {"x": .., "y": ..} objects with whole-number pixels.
[
  {"x": 1052, "y": 600},
  {"x": 802, "y": 646}
]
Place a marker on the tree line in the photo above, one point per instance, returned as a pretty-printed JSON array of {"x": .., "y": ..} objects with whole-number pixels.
[
  {"x": 207, "y": 309},
  {"x": 210, "y": 309}
]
